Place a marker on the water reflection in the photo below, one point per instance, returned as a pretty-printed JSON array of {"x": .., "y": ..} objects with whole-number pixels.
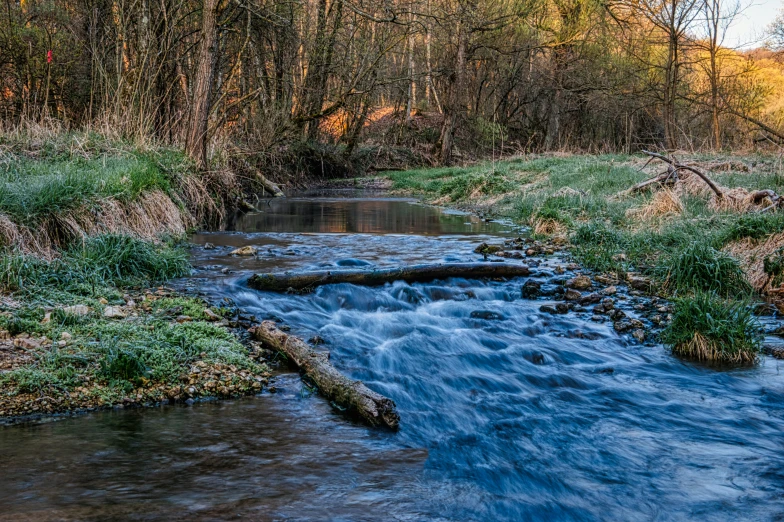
[{"x": 365, "y": 216}]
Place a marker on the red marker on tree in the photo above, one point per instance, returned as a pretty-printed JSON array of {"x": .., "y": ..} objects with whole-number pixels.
[{"x": 49, "y": 56}]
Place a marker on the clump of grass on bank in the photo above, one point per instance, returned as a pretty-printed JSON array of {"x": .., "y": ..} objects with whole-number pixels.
[
  {"x": 88, "y": 359},
  {"x": 707, "y": 328},
  {"x": 57, "y": 188},
  {"x": 702, "y": 268}
]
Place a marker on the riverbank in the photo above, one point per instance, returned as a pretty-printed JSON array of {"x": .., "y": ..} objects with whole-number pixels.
[
  {"x": 90, "y": 228},
  {"x": 679, "y": 242}
]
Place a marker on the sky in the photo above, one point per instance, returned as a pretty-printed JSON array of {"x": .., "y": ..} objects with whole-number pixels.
[{"x": 749, "y": 28}]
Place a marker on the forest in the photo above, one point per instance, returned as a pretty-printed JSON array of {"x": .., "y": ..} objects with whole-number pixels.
[{"x": 317, "y": 87}]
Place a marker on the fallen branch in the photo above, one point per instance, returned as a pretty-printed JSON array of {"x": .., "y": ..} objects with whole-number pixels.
[
  {"x": 353, "y": 396},
  {"x": 680, "y": 166},
  {"x": 411, "y": 274},
  {"x": 269, "y": 186}
]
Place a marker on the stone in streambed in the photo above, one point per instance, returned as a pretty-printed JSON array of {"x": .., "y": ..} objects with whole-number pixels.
[
  {"x": 572, "y": 295},
  {"x": 580, "y": 282},
  {"x": 487, "y": 315},
  {"x": 530, "y": 289},
  {"x": 244, "y": 251}
]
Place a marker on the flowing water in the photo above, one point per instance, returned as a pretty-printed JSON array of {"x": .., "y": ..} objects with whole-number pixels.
[{"x": 507, "y": 413}]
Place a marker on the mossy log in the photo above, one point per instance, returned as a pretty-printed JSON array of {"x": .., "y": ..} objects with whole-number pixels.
[
  {"x": 354, "y": 396},
  {"x": 411, "y": 274}
]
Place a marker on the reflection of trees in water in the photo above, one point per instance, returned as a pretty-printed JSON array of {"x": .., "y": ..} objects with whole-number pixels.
[{"x": 369, "y": 217}]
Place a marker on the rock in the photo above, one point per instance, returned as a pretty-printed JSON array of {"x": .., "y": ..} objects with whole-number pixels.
[
  {"x": 548, "y": 309},
  {"x": 562, "y": 308},
  {"x": 608, "y": 304},
  {"x": 657, "y": 319},
  {"x": 580, "y": 282},
  {"x": 530, "y": 289},
  {"x": 114, "y": 312},
  {"x": 103, "y": 301},
  {"x": 616, "y": 315},
  {"x": 638, "y": 282},
  {"x": 184, "y": 319},
  {"x": 65, "y": 336},
  {"x": 47, "y": 318},
  {"x": 597, "y": 318},
  {"x": 224, "y": 270},
  {"x": 27, "y": 343},
  {"x": 243, "y": 251},
  {"x": 62, "y": 344},
  {"x": 559, "y": 269},
  {"x": 209, "y": 246},
  {"x": 591, "y": 298},
  {"x": 5, "y": 335},
  {"x": 79, "y": 310},
  {"x": 610, "y": 290},
  {"x": 316, "y": 340},
  {"x": 605, "y": 280},
  {"x": 487, "y": 315},
  {"x": 639, "y": 335},
  {"x": 572, "y": 295},
  {"x": 211, "y": 316},
  {"x": 485, "y": 249}
]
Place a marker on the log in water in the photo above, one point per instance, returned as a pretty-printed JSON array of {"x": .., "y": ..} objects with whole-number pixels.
[
  {"x": 411, "y": 274},
  {"x": 354, "y": 396}
]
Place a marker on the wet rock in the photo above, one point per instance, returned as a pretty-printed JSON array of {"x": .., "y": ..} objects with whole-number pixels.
[
  {"x": 610, "y": 290},
  {"x": 530, "y": 289},
  {"x": 639, "y": 335},
  {"x": 590, "y": 298},
  {"x": 353, "y": 262},
  {"x": 624, "y": 325},
  {"x": 639, "y": 282},
  {"x": 559, "y": 270},
  {"x": 552, "y": 290},
  {"x": 562, "y": 308},
  {"x": 605, "y": 306},
  {"x": 209, "y": 246},
  {"x": 580, "y": 282},
  {"x": 605, "y": 280},
  {"x": 224, "y": 270},
  {"x": 316, "y": 340},
  {"x": 79, "y": 310},
  {"x": 487, "y": 315},
  {"x": 550, "y": 309},
  {"x": 486, "y": 249},
  {"x": 244, "y": 251},
  {"x": 616, "y": 315},
  {"x": 114, "y": 312},
  {"x": 211, "y": 316},
  {"x": 597, "y": 318},
  {"x": 657, "y": 319},
  {"x": 572, "y": 295}
]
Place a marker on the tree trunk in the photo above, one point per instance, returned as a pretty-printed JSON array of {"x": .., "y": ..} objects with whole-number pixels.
[
  {"x": 352, "y": 396},
  {"x": 416, "y": 273},
  {"x": 455, "y": 95},
  {"x": 196, "y": 144}
]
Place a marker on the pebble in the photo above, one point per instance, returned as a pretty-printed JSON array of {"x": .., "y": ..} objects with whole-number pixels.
[
  {"x": 77, "y": 310},
  {"x": 244, "y": 251},
  {"x": 572, "y": 295},
  {"x": 610, "y": 290},
  {"x": 114, "y": 312}
]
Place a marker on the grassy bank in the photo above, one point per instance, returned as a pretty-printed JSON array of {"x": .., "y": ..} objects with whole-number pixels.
[
  {"x": 682, "y": 238},
  {"x": 89, "y": 229}
]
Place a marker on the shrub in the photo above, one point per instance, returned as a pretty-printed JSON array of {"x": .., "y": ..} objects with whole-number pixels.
[
  {"x": 707, "y": 328},
  {"x": 702, "y": 268}
]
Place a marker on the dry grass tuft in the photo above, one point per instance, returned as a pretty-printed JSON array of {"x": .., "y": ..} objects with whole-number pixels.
[
  {"x": 664, "y": 203},
  {"x": 700, "y": 348},
  {"x": 751, "y": 254},
  {"x": 548, "y": 227}
]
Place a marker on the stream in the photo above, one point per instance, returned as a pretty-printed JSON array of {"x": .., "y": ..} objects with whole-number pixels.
[{"x": 507, "y": 413}]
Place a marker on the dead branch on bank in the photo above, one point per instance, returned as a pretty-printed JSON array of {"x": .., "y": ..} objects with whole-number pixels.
[
  {"x": 411, "y": 274},
  {"x": 353, "y": 396}
]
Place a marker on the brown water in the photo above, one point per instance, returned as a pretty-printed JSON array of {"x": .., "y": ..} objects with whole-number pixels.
[{"x": 507, "y": 413}]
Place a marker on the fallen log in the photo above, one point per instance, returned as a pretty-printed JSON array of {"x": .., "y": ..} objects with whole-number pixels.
[
  {"x": 270, "y": 186},
  {"x": 352, "y": 396},
  {"x": 411, "y": 274}
]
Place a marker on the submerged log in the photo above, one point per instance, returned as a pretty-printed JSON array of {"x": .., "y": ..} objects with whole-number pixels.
[
  {"x": 356, "y": 398},
  {"x": 411, "y": 274}
]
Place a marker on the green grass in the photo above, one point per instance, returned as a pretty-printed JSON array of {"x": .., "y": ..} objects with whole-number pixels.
[
  {"x": 701, "y": 268},
  {"x": 708, "y": 328},
  {"x": 74, "y": 170}
]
